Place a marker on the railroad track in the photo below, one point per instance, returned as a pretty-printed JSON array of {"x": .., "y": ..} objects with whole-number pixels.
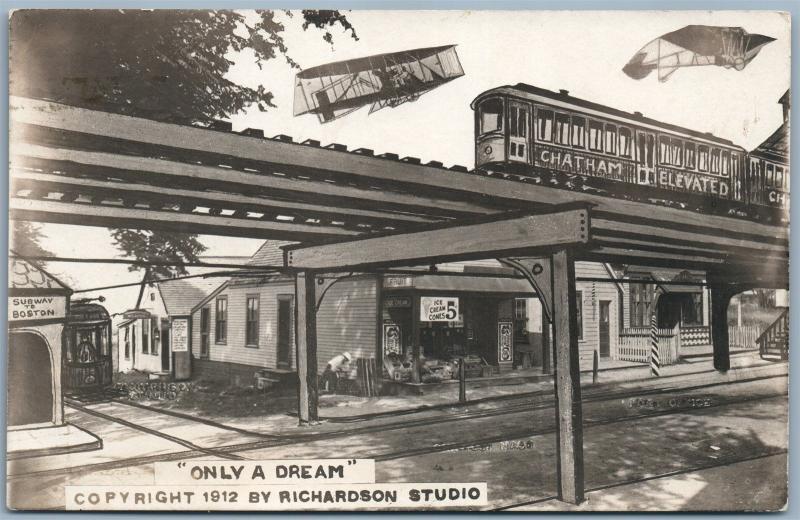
[{"x": 231, "y": 451}]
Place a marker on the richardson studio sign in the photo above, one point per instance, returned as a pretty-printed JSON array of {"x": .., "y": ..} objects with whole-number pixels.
[
  {"x": 27, "y": 308},
  {"x": 436, "y": 308}
]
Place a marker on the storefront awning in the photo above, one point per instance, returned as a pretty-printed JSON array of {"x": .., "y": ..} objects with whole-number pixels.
[
  {"x": 480, "y": 284},
  {"x": 136, "y": 314},
  {"x": 668, "y": 288}
]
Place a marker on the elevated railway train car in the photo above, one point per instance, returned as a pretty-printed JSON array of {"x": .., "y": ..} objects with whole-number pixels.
[{"x": 556, "y": 139}]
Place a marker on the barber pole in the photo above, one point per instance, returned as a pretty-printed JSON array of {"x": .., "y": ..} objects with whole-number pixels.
[{"x": 655, "y": 363}]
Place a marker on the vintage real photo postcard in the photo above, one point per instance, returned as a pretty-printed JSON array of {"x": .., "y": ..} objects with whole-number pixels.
[{"x": 398, "y": 260}]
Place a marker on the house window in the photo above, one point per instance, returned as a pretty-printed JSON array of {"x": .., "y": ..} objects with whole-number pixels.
[
  {"x": 146, "y": 336},
  {"x": 641, "y": 299},
  {"x": 611, "y": 139},
  {"x": 579, "y": 312},
  {"x": 221, "y": 328},
  {"x": 562, "y": 129},
  {"x": 156, "y": 338},
  {"x": 544, "y": 125},
  {"x": 624, "y": 141},
  {"x": 152, "y": 296},
  {"x": 596, "y": 136},
  {"x": 694, "y": 314},
  {"x": 127, "y": 343},
  {"x": 251, "y": 326},
  {"x": 579, "y": 132}
]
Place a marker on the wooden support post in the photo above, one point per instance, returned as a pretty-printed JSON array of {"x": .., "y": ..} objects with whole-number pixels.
[
  {"x": 547, "y": 347},
  {"x": 462, "y": 381},
  {"x": 415, "y": 346},
  {"x": 569, "y": 417},
  {"x": 721, "y": 294},
  {"x": 306, "y": 346}
]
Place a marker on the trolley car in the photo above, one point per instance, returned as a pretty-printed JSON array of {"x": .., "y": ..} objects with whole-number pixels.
[
  {"x": 87, "y": 365},
  {"x": 559, "y": 140}
]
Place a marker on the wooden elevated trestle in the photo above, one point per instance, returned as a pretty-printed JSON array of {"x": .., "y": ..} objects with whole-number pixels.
[{"x": 351, "y": 210}]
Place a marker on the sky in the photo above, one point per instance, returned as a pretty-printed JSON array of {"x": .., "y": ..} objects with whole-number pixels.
[{"x": 580, "y": 51}]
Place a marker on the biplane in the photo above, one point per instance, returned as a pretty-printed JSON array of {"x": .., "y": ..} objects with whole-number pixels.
[
  {"x": 336, "y": 89},
  {"x": 694, "y": 46}
]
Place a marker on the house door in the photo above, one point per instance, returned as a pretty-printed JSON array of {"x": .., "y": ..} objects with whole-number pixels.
[
  {"x": 165, "y": 350},
  {"x": 204, "y": 331},
  {"x": 605, "y": 323},
  {"x": 30, "y": 380},
  {"x": 284, "y": 331},
  {"x": 646, "y": 157}
]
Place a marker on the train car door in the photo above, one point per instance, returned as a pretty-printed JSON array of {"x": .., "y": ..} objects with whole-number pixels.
[
  {"x": 518, "y": 130},
  {"x": 646, "y": 157}
]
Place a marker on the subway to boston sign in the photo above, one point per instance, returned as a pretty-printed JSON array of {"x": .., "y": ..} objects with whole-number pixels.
[{"x": 37, "y": 308}]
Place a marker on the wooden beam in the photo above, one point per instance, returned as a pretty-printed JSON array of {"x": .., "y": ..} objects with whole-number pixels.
[
  {"x": 569, "y": 415},
  {"x": 306, "y": 347},
  {"x": 21, "y": 179},
  {"x": 63, "y": 117},
  {"x": 481, "y": 240},
  {"x": 193, "y": 173},
  {"x": 133, "y": 218}
]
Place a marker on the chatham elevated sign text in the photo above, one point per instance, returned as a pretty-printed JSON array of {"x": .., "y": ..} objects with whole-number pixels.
[{"x": 28, "y": 308}]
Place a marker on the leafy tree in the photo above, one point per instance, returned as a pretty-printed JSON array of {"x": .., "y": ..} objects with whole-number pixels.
[
  {"x": 26, "y": 240},
  {"x": 167, "y": 65}
]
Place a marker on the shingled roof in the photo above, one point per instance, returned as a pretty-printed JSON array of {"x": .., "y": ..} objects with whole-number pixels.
[
  {"x": 25, "y": 275},
  {"x": 181, "y": 295}
]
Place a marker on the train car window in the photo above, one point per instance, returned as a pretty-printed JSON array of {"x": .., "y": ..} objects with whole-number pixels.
[
  {"x": 677, "y": 152},
  {"x": 611, "y": 139},
  {"x": 702, "y": 158},
  {"x": 734, "y": 165},
  {"x": 778, "y": 177},
  {"x": 562, "y": 129},
  {"x": 596, "y": 136},
  {"x": 519, "y": 121},
  {"x": 624, "y": 141},
  {"x": 544, "y": 125},
  {"x": 715, "y": 153},
  {"x": 664, "y": 150},
  {"x": 690, "y": 153},
  {"x": 491, "y": 116},
  {"x": 725, "y": 163},
  {"x": 578, "y": 132},
  {"x": 770, "y": 174}
]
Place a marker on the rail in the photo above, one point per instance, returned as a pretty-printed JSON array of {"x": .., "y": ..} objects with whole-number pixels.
[{"x": 774, "y": 341}]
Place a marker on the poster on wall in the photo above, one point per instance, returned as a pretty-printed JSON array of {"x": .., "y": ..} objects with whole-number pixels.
[
  {"x": 505, "y": 341},
  {"x": 180, "y": 335},
  {"x": 438, "y": 308},
  {"x": 392, "y": 339}
]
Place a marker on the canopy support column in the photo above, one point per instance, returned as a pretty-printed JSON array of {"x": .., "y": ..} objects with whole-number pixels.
[
  {"x": 721, "y": 294},
  {"x": 569, "y": 416},
  {"x": 306, "y": 347}
]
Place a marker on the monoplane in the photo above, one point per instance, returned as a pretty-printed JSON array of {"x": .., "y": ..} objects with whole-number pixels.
[{"x": 693, "y": 46}]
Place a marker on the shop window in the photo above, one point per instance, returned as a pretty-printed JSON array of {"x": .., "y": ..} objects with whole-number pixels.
[
  {"x": 544, "y": 125},
  {"x": 579, "y": 312},
  {"x": 221, "y": 323},
  {"x": 491, "y": 116},
  {"x": 677, "y": 152},
  {"x": 691, "y": 153},
  {"x": 562, "y": 129},
  {"x": 641, "y": 299},
  {"x": 611, "y": 139},
  {"x": 596, "y": 136},
  {"x": 702, "y": 158},
  {"x": 715, "y": 160},
  {"x": 624, "y": 141},
  {"x": 579, "y": 132},
  {"x": 146, "y": 336},
  {"x": 251, "y": 324}
]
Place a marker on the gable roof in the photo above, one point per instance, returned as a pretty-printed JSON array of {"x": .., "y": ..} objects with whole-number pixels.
[
  {"x": 181, "y": 295},
  {"x": 269, "y": 254}
]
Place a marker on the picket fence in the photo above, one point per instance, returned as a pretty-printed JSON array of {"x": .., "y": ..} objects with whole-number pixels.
[
  {"x": 634, "y": 343},
  {"x": 743, "y": 338}
]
